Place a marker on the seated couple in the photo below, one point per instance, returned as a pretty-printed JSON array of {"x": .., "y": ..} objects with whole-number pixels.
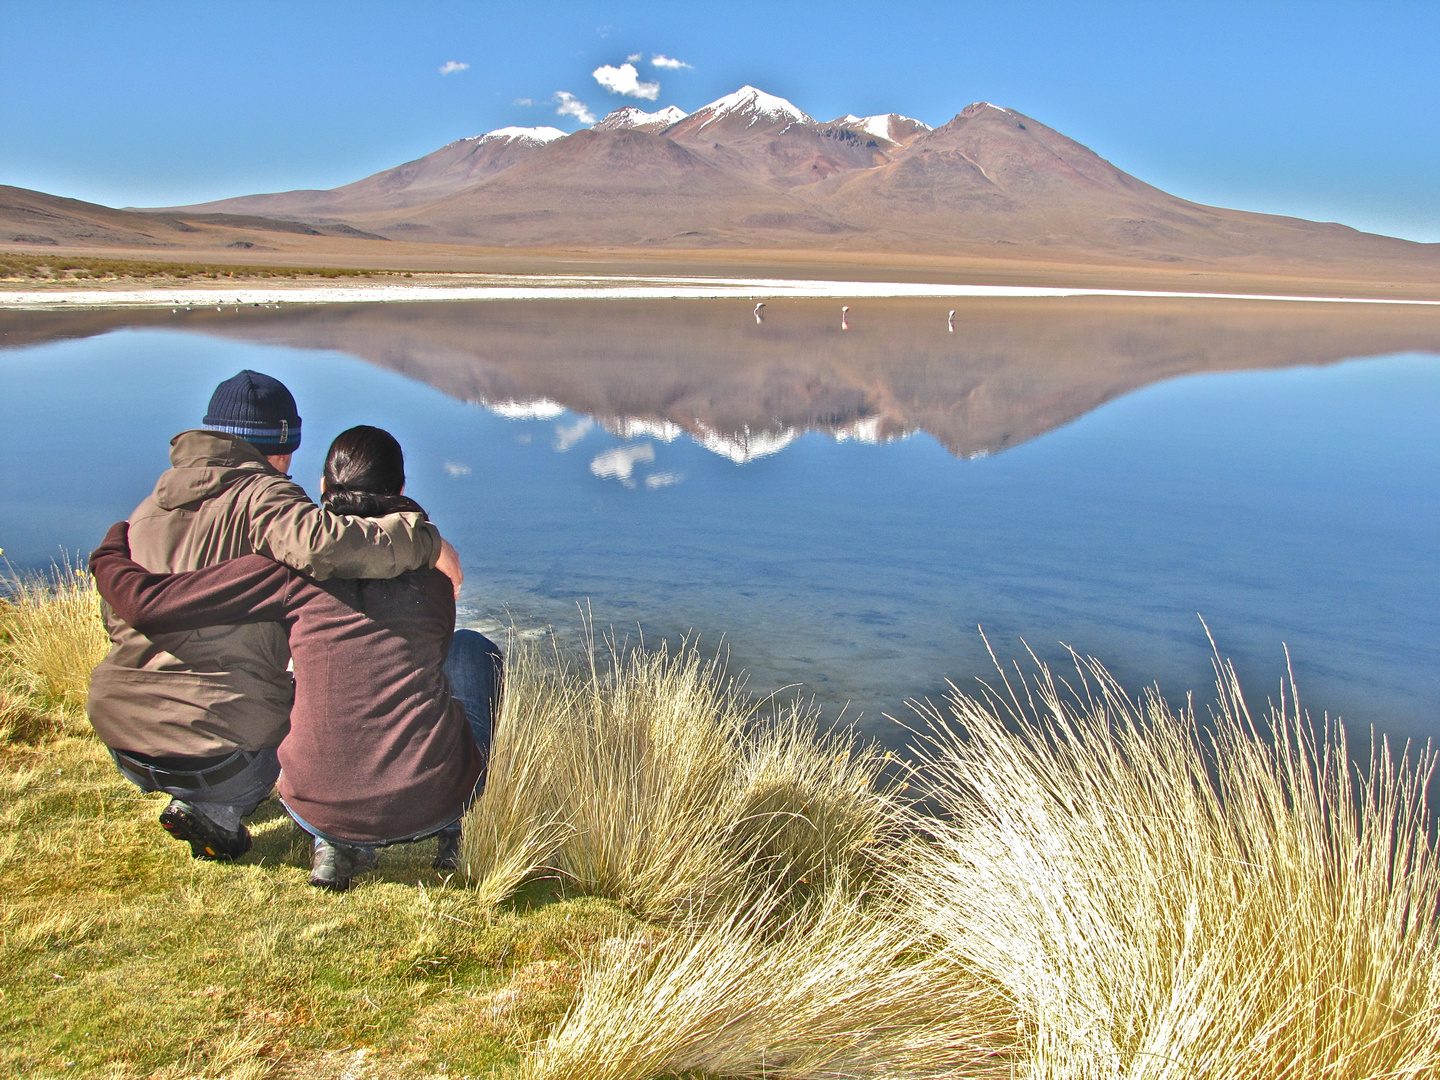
[{"x": 228, "y": 570}]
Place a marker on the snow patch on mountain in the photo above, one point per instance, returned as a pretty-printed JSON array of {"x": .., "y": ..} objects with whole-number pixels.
[
  {"x": 756, "y": 104},
  {"x": 630, "y": 117},
  {"x": 534, "y": 136}
]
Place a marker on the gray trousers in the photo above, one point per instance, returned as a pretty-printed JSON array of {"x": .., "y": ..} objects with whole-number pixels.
[{"x": 224, "y": 792}]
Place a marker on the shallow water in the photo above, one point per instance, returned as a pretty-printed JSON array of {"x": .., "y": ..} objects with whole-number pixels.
[{"x": 844, "y": 506}]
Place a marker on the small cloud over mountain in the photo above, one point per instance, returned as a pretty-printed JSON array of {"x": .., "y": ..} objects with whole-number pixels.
[
  {"x": 450, "y": 67},
  {"x": 660, "y": 60},
  {"x": 625, "y": 80},
  {"x": 567, "y": 104}
]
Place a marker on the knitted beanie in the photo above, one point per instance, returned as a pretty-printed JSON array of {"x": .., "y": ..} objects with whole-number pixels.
[{"x": 258, "y": 409}]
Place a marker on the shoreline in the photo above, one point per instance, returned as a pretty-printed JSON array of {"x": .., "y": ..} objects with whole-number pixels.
[{"x": 603, "y": 287}]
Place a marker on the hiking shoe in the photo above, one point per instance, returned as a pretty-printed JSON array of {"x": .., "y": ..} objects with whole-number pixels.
[
  {"x": 447, "y": 854},
  {"x": 207, "y": 840},
  {"x": 333, "y": 865}
]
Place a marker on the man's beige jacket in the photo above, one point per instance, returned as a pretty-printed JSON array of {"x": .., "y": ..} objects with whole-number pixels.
[{"x": 206, "y": 693}]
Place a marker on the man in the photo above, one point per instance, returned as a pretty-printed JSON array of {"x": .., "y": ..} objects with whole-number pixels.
[{"x": 198, "y": 715}]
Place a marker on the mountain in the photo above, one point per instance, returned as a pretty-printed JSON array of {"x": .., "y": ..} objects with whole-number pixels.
[
  {"x": 635, "y": 119},
  {"x": 754, "y": 171}
]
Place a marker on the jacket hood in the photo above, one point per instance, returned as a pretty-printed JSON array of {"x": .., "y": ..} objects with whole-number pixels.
[{"x": 205, "y": 463}]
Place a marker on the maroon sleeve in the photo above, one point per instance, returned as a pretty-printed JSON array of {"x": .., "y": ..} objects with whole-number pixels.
[{"x": 245, "y": 590}]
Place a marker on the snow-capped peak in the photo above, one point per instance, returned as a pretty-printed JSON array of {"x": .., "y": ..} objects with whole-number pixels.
[
  {"x": 535, "y": 136},
  {"x": 758, "y": 105},
  {"x": 883, "y": 125},
  {"x": 631, "y": 117}
]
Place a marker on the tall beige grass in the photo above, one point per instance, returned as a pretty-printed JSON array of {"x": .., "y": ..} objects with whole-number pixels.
[
  {"x": 646, "y": 776},
  {"x": 51, "y": 637},
  {"x": 840, "y": 987},
  {"x": 1162, "y": 897}
]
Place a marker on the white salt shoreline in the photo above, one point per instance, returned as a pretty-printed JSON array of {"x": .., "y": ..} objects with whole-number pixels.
[{"x": 606, "y": 288}]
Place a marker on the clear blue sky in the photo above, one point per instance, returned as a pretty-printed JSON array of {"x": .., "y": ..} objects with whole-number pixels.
[{"x": 1324, "y": 110}]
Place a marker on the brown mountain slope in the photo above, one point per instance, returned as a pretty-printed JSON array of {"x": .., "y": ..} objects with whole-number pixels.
[
  {"x": 452, "y": 168},
  {"x": 616, "y": 188},
  {"x": 35, "y": 219}
]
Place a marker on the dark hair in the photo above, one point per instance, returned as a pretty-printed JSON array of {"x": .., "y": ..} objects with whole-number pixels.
[{"x": 364, "y": 472}]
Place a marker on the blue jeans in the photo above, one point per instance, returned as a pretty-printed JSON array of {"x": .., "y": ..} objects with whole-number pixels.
[{"x": 476, "y": 672}]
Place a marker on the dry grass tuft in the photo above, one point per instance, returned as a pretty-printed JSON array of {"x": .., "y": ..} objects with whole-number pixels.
[
  {"x": 51, "y": 637},
  {"x": 838, "y": 988},
  {"x": 1165, "y": 896},
  {"x": 650, "y": 780}
]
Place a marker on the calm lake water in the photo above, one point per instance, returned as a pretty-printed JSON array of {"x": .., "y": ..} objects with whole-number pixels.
[{"x": 844, "y": 507}]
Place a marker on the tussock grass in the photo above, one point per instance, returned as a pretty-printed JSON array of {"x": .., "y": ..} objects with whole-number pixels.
[
  {"x": 50, "y": 639},
  {"x": 1167, "y": 895},
  {"x": 840, "y": 987},
  {"x": 648, "y": 777}
]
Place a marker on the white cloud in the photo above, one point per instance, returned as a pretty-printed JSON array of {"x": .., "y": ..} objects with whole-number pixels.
[
  {"x": 619, "y": 464},
  {"x": 662, "y": 61},
  {"x": 570, "y": 105},
  {"x": 523, "y": 101},
  {"x": 457, "y": 468},
  {"x": 634, "y": 57},
  {"x": 567, "y": 435},
  {"x": 452, "y": 66},
  {"x": 626, "y": 80}
]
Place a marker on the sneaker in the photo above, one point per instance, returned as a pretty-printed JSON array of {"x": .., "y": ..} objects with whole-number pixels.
[
  {"x": 447, "y": 854},
  {"x": 207, "y": 840},
  {"x": 333, "y": 865}
]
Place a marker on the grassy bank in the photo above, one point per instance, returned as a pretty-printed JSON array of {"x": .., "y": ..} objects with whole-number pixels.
[
  {"x": 17, "y": 266},
  {"x": 659, "y": 883}
]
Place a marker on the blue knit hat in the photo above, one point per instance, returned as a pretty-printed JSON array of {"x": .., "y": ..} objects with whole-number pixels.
[{"x": 258, "y": 409}]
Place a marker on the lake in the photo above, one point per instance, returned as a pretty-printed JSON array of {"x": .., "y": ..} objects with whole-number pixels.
[{"x": 840, "y": 507}]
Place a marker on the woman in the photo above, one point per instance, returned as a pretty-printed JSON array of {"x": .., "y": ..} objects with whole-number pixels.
[{"x": 383, "y": 747}]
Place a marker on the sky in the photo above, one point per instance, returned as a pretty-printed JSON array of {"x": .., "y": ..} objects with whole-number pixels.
[{"x": 1328, "y": 111}]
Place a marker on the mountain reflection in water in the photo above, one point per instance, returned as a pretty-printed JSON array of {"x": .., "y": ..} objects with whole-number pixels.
[{"x": 1010, "y": 370}]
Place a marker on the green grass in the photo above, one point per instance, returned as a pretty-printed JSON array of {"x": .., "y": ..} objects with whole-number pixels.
[
  {"x": 15, "y": 266},
  {"x": 660, "y": 882},
  {"x": 124, "y": 957}
]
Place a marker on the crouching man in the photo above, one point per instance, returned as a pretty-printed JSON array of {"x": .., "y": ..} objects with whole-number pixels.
[{"x": 199, "y": 714}]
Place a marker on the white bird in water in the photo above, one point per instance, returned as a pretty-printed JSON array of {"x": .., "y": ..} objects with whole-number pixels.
[
  {"x": 758, "y": 317},
  {"x": 952, "y": 322},
  {"x": 845, "y": 317}
]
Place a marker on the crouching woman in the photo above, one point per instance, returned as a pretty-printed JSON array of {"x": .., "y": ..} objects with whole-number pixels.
[{"x": 394, "y": 709}]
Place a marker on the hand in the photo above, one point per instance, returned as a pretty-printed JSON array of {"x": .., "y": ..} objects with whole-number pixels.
[{"x": 449, "y": 565}]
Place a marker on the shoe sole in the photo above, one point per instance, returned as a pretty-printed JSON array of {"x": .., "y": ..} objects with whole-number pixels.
[{"x": 183, "y": 826}]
